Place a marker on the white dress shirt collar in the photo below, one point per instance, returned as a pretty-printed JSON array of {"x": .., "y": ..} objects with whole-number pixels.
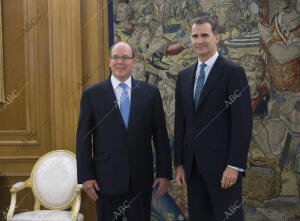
[
  {"x": 210, "y": 62},
  {"x": 115, "y": 82}
]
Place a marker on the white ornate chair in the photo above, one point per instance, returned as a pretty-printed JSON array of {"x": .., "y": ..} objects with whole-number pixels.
[{"x": 54, "y": 185}]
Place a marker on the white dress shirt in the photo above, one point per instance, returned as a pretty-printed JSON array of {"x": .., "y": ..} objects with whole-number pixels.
[
  {"x": 118, "y": 89},
  {"x": 209, "y": 64}
]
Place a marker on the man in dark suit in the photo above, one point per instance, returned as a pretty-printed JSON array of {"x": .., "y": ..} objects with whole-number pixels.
[
  {"x": 213, "y": 124},
  {"x": 118, "y": 119}
]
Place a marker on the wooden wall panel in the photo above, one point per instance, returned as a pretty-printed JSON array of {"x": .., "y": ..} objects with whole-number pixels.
[
  {"x": 95, "y": 42},
  {"x": 65, "y": 70},
  {"x": 95, "y": 62},
  {"x": 26, "y": 70},
  {"x": 14, "y": 66}
]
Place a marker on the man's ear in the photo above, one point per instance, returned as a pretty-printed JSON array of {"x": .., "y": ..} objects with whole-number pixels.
[
  {"x": 134, "y": 62},
  {"x": 110, "y": 60},
  {"x": 218, "y": 38}
]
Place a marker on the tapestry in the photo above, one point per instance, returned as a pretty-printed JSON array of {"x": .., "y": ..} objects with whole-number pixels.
[{"x": 263, "y": 36}]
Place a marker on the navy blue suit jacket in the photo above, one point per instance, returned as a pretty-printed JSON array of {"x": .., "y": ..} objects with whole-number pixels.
[
  {"x": 114, "y": 155},
  {"x": 218, "y": 133}
]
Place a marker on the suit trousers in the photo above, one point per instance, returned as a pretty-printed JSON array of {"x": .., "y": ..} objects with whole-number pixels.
[
  {"x": 135, "y": 206},
  {"x": 209, "y": 202}
]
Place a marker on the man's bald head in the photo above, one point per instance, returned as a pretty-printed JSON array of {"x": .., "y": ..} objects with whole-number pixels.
[{"x": 122, "y": 42}]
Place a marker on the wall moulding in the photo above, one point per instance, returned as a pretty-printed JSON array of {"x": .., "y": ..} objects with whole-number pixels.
[{"x": 19, "y": 158}]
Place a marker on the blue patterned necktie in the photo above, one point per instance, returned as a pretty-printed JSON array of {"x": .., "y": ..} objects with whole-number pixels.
[
  {"x": 199, "y": 84},
  {"x": 124, "y": 104}
]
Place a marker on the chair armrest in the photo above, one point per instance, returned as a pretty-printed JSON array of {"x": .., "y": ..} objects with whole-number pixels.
[
  {"x": 77, "y": 202},
  {"x": 14, "y": 189},
  {"x": 17, "y": 187}
]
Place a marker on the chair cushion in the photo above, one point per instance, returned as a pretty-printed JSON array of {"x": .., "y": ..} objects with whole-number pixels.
[
  {"x": 46, "y": 215},
  {"x": 55, "y": 179}
]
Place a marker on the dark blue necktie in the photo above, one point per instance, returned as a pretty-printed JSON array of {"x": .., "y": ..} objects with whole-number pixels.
[
  {"x": 199, "y": 85},
  {"x": 124, "y": 104}
]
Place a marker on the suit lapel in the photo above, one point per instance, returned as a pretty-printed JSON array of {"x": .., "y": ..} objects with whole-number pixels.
[
  {"x": 133, "y": 100},
  {"x": 214, "y": 75},
  {"x": 109, "y": 92},
  {"x": 190, "y": 86}
]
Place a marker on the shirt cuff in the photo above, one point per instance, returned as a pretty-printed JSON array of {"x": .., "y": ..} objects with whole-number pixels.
[{"x": 236, "y": 168}]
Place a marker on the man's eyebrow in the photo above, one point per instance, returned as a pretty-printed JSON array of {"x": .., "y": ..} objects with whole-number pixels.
[{"x": 203, "y": 35}]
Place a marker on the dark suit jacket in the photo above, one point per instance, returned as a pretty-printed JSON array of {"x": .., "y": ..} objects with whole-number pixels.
[
  {"x": 121, "y": 156},
  {"x": 218, "y": 133}
]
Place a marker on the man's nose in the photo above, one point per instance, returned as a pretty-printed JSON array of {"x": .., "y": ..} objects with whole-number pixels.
[
  {"x": 199, "y": 40},
  {"x": 120, "y": 60}
]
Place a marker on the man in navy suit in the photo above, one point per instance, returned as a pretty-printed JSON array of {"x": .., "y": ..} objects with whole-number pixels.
[
  {"x": 118, "y": 120},
  {"x": 213, "y": 124}
]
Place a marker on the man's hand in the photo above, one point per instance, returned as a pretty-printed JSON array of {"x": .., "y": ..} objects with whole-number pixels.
[
  {"x": 180, "y": 176},
  {"x": 89, "y": 187},
  {"x": 229, "y": 177},
  {"x": 163, "y": 184}
]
